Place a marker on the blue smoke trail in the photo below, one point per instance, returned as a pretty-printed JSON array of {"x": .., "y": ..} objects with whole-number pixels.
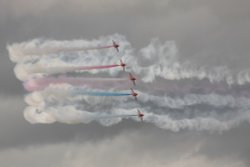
[{"x": 106, "y": 94}]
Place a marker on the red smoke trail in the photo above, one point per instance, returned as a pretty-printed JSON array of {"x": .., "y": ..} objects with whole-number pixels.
[
  {"x": 36, "y": 70},
  {"x": 41, "y": 83}
]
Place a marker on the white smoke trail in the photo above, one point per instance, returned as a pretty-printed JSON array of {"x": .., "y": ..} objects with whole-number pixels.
[
  {"x": 71, "y": 115},
  {"x": 69, "y": 93},
  {"x": 197, "y": 123},
  {"x": 155, "y": 60},
  {"x": 61, "y": 103},
  {"x": 209, "y": 120},
  {"x": 38, "y": 48}
]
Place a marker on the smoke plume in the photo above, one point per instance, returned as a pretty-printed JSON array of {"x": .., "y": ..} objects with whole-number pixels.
[{"x": 173, "y": 94}]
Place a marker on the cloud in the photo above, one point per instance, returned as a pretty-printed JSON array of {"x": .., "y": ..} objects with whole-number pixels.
[
  {"x": 136, "y": 148},
  {"x": 157, "y": 61},
  {"x": 24, "y": 8},
  {"x": 20, "y": 8},
  {"x": 218, "y": 35}
]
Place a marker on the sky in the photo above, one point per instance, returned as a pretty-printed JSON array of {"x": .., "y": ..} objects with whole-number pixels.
[{"x": 208, "y": 41}]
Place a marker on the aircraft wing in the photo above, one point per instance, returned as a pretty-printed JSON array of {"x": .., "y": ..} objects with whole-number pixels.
[
  {"x": 133, "y": 82},
  {"x": 117, "y": 49}
]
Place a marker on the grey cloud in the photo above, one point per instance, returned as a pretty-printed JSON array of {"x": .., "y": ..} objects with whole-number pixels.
[
  {"x": 207, "y": 32},
  {"x": 235, "y": 142},
  {"x": 147, "y": 147},
  {"x": 17, "y": 133}
]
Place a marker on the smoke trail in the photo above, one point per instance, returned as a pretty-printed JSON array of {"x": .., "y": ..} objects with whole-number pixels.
[
  {"x": 42, "y": 47},
  {"x": 97, "y": 67},
  {"x": 199, "y": 98},
  {"x": 156, "y": 60},
  {"x": 161, "y": 115},
  {"x": 28, "y": 71},
  {"x": 60, "y": 93},
  {"x": 41, "y": 83},
  {"x": 169, "y": 113},
  {"x": 198, "y": 123},
  {"x": 71, "y": 115},
  {"x": 72, "y": 49},
  {"x": 65, "y": 91},
  {"x": 106, "y": 94}
]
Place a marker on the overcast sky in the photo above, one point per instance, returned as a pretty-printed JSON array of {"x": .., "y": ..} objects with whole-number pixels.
[{"x": 207, "y": 33}]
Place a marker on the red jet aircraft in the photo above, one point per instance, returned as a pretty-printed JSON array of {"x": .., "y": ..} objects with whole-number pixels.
[
  {"x": 133, "y": 93},
  {"x": 123, "y": 65},
  {"x": 140, "y": 115},
  {"x": 116, "y": 46},
  {"x": 132, "y": 78}
]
